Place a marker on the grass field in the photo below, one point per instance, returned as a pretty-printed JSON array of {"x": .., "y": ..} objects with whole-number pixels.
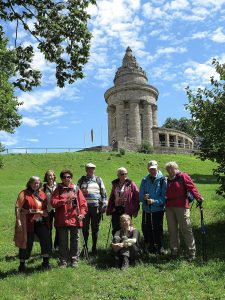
[{"x": 152, "y": 278}]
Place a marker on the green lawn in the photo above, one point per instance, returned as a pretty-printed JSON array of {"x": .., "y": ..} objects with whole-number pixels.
[{"x": 152, "y": 278}]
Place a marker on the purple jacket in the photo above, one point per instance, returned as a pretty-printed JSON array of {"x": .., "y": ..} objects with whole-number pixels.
[{"x": 131, "y": 194}]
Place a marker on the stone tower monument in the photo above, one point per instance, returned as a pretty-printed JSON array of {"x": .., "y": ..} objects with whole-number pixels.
[{"x": 132, "y": 105}]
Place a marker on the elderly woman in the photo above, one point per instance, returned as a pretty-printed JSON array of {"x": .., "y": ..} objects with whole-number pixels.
[
  {"x": 124, "y": 198},
  {"x": 31, "y": 219},
  {"x": 70, "y": 209},
  {"x": 48, "y": 188},
  {"x": 153, "y": 198},
  {"x": 177, "y": 209},
  {"x": 125, "y": 243}
]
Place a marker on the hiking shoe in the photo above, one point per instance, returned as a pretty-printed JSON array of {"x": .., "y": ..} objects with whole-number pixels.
[
  {"x": 191, "y": 258},
  {"x": 22, "y": 268},
  {"x": 163, "y": 251},
  {"x": 74, "y": 263},
  {"x": 45, "y": 265},
  {"x": 62, "y": 264},
  {"x": 125, "y": 263}
]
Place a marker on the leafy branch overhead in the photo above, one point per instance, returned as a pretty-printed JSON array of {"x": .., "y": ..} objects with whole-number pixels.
[
  {"x": 207, "y": 108},
  {"x": 61, "y": 34}
]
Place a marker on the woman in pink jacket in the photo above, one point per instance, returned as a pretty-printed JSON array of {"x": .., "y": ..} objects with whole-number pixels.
[
  {"x": 124, "y": 198},
  {"x": 70, "y": 209},
  {"x": 177, "y": 209}
]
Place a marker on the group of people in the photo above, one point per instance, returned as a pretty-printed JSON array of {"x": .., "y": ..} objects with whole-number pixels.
[{"x": 75, "y": 208}]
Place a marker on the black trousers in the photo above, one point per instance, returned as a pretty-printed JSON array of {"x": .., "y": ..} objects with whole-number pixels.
[
  {"x": 42, "y": 232},
  {"x": 93, "y": 217},
  {"x": 51, "y": 216},
  {"x": 152, "y": 228}
]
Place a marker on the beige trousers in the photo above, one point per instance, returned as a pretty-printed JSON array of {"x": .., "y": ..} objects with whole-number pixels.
[{"x": 178, "y": 219}]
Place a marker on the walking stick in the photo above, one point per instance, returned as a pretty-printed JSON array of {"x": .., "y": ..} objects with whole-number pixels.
[
  {"x": 203, "y": 233},
  {"x": 107, "y": 241},
  {"x": 153, "y": 236},
  {"x": 85, "y": 249},
  {"x": 86, "y": 255}
]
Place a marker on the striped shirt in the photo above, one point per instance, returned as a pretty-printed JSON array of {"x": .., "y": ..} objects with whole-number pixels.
[{"x": 94, "y": 191}]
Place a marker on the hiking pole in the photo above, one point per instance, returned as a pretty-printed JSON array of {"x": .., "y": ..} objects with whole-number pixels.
[
  {"x": 203, "y": 233},
  {"x": 110, "y": 226},
  {"x": 85, "y": 249},
  {"x": 153, "y": 236},
  {"x": 76, "y": 203}
]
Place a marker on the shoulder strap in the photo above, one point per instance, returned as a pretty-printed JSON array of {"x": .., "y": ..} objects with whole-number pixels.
[
  {"x": 44, "y": 187},
  {"x": 98, "y": 180}
]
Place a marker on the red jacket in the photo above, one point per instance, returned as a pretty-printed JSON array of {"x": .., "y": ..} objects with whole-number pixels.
[
  {"x": 176, "y": 192},
  {"x": 131, "y": 205},
  {"x": 66, "y": 213}
]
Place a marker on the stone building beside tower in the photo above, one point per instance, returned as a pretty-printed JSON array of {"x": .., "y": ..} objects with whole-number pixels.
[{"x": 132, "y": 112}]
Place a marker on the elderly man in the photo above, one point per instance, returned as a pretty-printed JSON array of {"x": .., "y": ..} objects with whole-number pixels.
[
  {"x": 94, "y": 191},
  {"x": 152, "y": 195}
]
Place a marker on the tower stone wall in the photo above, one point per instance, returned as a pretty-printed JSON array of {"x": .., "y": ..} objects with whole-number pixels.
[
  {"x": 132, "y": 104},
  {"x": 133, "y": 112}
]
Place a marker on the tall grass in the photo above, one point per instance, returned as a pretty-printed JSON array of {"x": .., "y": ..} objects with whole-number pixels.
[{"x": 152, "y": 278}]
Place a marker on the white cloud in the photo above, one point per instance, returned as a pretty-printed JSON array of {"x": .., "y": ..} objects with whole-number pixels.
[
  {"x": 177, "y": 5},
  {"x": 30, "y": 122},
  {"x": 218, "y": 36},
  {"x": 32, "y": 140},
  {"x": 33, "y": 101},
  {"x": 8, "y": 139}
]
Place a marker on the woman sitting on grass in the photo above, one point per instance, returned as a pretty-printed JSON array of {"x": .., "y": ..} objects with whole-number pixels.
[
  {"x": 125, "y": 243},
  {"x": 31, "y": 219}
]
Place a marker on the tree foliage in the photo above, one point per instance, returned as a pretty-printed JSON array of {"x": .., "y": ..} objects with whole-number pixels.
[
  {"x": 9, "y": 116},
  {"x": 182, "y": 124},
  {"x": 61, "y": 33},
  {"x": 207, "y": 108}
]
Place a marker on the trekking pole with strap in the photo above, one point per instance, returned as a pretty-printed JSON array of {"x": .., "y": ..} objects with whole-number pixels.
[
  {"x": 85, "y": 250},
  {"x": 203, "y": 233},
  {"x": 110, "y": 227}
]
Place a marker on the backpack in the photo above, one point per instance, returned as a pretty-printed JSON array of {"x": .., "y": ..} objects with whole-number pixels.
[{"x": 190, "y": 196}]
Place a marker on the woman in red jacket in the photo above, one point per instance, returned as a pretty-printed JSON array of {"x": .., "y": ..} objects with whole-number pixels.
[
  {"x": 31, "y": 219},
  {"x": 177, "y": 209},
  {"x": 70, "y": 209}
]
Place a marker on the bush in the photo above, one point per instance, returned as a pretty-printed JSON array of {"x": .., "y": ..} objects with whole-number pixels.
[
  {"x": 145, "y": 148},
  {"x": 122, "y": 151}
]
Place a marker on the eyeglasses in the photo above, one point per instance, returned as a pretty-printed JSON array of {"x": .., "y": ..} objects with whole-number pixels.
[
  {"x": 123, "y": 174},
  {"x": 65, "y": 177}
]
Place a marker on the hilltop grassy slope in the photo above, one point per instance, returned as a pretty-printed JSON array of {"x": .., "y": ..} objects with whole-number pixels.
[{"x": 151, "y": 279}]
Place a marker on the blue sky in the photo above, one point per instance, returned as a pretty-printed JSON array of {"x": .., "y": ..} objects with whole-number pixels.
[{"x": 173, "y": 41}]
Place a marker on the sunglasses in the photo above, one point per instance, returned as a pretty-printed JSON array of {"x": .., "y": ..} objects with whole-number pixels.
[
  {"x": 123, "y": 174},
  {"x": 65, "y": 177}
]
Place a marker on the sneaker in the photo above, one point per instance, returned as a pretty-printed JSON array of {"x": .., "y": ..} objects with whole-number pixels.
[{"x": 125, "y": 263}]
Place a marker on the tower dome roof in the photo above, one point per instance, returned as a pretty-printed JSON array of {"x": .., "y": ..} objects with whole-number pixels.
[{"x": 130, "y": 71}]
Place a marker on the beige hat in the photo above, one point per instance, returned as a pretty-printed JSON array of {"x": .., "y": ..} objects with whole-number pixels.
[
  {"x": 152, "y": 164},
  {"x": 90, "y": 165}
]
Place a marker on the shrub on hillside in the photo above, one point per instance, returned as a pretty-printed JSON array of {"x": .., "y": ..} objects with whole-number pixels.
[{"x": 145, "y": 147}]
